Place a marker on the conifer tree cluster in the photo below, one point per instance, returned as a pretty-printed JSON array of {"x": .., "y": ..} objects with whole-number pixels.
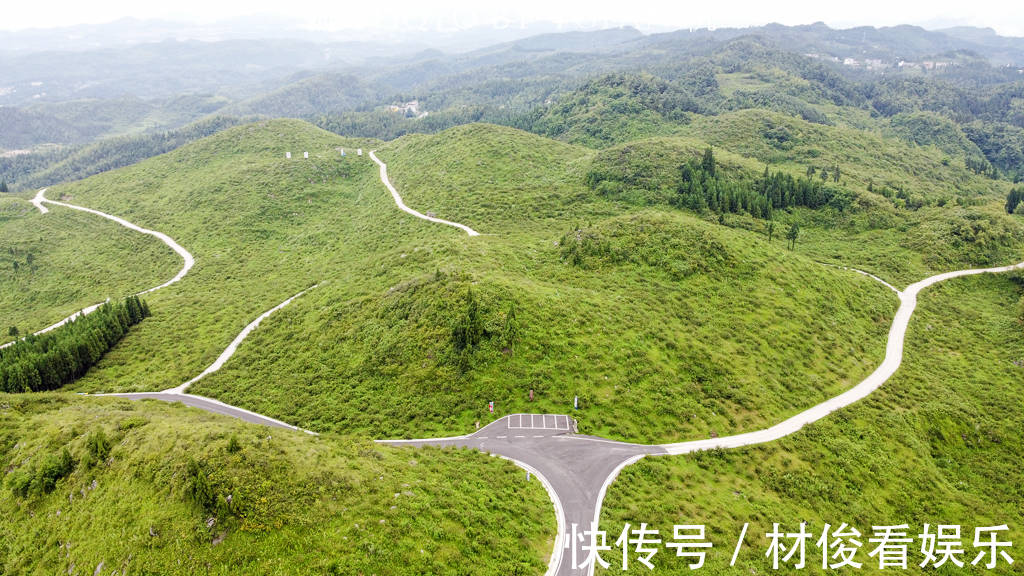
[
  {"x": 702, "y": 188},
  {"x": 47, "y": 362},
  {"x": 1013, "y": 199}
]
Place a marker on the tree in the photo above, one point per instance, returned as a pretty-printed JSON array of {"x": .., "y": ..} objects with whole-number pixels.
[
  {"x": 824, "y": 174},
  {"x": 3, "y": 186},
  {"x": 810, "y": 171},
  {"x": 707, "y": 163},
  {"x": 792, "y": 234},
  {"x": 12, "y": 331},
  {"x": 1014, "y": 198},
  {"x": 468, "y": 329},
  {"x": 511, "y": 330},
  {"x": 770, "y": 228},
  {"x": 835, "y": 174}
]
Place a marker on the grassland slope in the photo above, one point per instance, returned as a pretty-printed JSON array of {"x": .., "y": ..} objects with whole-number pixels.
[
  {"x": 940, "y": 443},
  {"x": 395, "y": 361},
  {"x": 154, "y": 488},
  {"x": 55, "y": 264}
]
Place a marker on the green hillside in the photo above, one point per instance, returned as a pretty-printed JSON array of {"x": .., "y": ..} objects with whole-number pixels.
[
  {"x": 262, "y": 228},
  {"x": 583, "y": 270},
  {"x": 67, "y": 260},
  {"x": 155, "y": 488},
  {"x": 939, "y": 444},
  {"x": 346, "y": 354}
]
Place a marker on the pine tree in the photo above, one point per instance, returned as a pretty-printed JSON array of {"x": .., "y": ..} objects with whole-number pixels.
[
  {"x": 792, "y": 234},
  {"x": 3, "y": 186},
  {"x": 770, "y": 228},
  {"x": 707, "y": 163},
  {"x": 511, "y": 329}
]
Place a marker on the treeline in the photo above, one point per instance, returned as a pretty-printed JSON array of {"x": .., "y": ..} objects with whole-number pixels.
[
  {"x": 47, "y": 362},
  {"x": 37, "y": 170},
  {"x": 391, "y": 125},
  {"x": 702, "y": 189},
  {"x": 1014, "y": 200}
]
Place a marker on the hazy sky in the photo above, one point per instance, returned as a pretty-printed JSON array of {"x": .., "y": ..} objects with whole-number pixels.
[{"x": 648, "y": 14}]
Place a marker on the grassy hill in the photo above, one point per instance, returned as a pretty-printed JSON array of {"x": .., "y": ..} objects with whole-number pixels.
[
  {"x": 348, "y": 353},
  {"x": 67, "y": 260},
  {"x": 583, "y": 272},
  {"x": 262, "y": 228},
  {"x": 939, "y": 444},
  {"x": 154, "y": 488}
]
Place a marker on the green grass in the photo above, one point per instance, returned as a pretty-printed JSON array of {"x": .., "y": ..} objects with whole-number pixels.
[
  {"x": 729, "y": 83},
  {"x": 746, "y": 332},
  {"x": 299, "y": 504},
  {"x": 381, "y": 361},
  {"x": 78, "y": 260},
  {"x": 261, "y": 228},
  {"x": 875, "y": 234},
  {"x": 787, "y": 142},
  {"x": 940, "y": 443}
]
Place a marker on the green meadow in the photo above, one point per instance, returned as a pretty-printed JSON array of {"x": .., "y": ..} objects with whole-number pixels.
[{"x": 155, "y": 488}]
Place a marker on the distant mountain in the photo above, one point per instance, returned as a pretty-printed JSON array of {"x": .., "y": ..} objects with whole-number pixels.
[
  {"x": 23, "y": 129},
  {"x": 310, "y": 96}
]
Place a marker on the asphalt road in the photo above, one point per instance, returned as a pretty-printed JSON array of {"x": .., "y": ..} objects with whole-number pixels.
[
  {"x": 209, "y": 405},
  {"x": 575, "y": 469}
]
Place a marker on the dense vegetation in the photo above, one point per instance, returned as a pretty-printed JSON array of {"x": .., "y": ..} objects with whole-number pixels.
[
  {"x": 375, "y": 345},
  {"x": 156, "y": 488},
  {"x": 58, "y": 357},
  {"x": 46, "y": 168},
  {"x": 939, "y": 444}
]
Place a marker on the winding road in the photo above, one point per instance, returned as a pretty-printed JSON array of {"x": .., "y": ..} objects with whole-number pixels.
[
  {"x": 39, "y": 200},
  {"x": 576, "y": 470}
]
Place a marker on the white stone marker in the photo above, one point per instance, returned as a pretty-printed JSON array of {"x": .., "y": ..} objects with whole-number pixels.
[
  {"x": 287, "y": 154},
  {"x": 305, "y": 154},
  {"x": 359, "y": 151},
  {"x": 342, "y": 151}
]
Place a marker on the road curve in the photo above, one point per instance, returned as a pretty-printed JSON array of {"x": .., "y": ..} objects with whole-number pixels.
[
  {"x": 581, "y": 468},
  {"x": 209, "y": 405},
  {"x": 893, "y": 359},
  {"x": 401, "y": 205},
  {"x": 38, "y": 201}
]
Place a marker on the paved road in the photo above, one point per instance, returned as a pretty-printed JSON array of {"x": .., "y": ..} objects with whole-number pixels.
[
  {"x": 209, "y": 405},
  {"x": 575, "y": 469},
  {"x": 398, "y": 200}
]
